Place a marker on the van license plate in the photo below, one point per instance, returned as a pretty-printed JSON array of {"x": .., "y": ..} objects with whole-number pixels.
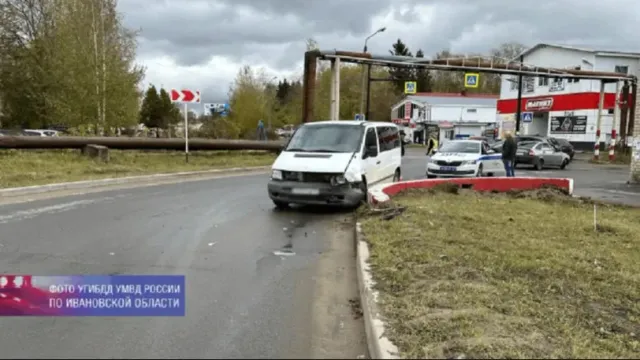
[
  {"x": 305, "y": 191},
  {"x": 448, "y": 168}
]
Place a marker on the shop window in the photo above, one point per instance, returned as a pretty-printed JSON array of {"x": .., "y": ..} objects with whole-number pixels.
[
  {"x": 574, "y": 80},
  {"x": 528, "y": 84},
  {"x": 513, "y": 83},
  {"x": 622, "y": 69},
  {"x": 543, "y": 81}
]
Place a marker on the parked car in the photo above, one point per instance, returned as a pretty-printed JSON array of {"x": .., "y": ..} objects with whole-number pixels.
[
  {"x": 559, "y": 144},
  {"x": 563, "y": 145},
  {"x": 540, "y": 154},
  {"x": 286, "y": 131},
  {"x": 497, "y": 145},
  {"x": 42, "y": 133}
]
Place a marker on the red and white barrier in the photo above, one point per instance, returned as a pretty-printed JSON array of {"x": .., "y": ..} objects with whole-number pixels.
[
  {"x": 612, "y": 145},
  {"x": 596, "y": 147},
  {"x": 383, "y": 193}
]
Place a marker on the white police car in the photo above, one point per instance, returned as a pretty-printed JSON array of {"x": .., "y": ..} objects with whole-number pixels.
[{"x": 465, "y": 158}]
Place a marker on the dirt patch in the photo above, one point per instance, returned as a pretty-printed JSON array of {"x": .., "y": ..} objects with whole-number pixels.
[{"x": 516, "y": 275}]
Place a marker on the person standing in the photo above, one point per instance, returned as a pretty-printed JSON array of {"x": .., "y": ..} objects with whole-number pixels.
[
  {"x": 261, "y": 132},
  {"x": 509, "y": 149},
  {"x": 432, "y": 144}
]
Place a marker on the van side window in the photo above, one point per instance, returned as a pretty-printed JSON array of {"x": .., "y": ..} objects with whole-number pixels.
[
  {"x": 381, "y": 138},
  {"x": 371, "y": 139},
  {"x": 388, "y": 138}
]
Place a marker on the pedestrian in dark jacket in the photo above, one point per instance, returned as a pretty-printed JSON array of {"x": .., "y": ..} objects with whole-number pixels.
[{"x": 509, "y": 149}]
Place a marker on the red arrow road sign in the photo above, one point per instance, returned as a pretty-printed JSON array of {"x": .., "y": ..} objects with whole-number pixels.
[{"x": 185, "y": 96}]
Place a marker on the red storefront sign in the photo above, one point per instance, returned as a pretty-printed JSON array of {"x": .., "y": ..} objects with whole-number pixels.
[
  {"x": 563, "y": 102},
  {"x": 539, "y": 104}
]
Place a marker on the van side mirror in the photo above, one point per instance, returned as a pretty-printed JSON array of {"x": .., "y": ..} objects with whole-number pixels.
[{"x": 370, "y": 151}]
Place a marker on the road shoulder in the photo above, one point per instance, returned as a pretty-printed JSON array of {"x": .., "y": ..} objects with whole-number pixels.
[
  {"x": 43, "y": 192},
  {"x": 338, "y": 324}
]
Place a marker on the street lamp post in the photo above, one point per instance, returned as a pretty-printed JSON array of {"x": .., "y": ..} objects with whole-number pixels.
[{"x": 366, "y": 74}]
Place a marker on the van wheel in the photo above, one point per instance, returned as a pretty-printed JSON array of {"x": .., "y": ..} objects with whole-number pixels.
[
  {"x": 539, "y": 164},
  {"x": 396, "y": 176},
  {"x": 280, "y": 205}
]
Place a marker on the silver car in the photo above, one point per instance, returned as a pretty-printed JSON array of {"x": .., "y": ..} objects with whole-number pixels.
[{"x": 540, "y": 154}]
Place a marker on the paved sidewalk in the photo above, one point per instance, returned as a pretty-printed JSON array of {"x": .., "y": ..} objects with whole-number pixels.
[{"x": 620, "y": 193}]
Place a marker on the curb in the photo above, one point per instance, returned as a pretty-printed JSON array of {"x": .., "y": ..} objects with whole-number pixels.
[
  {"x": 88, "y": 184},
  {"x": 383, "y": 193},
  {"x": 379, "y": 346}
]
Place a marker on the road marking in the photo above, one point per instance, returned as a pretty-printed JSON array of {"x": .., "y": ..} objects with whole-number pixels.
[
  {"x": 31, "y": 213},
  {"x": 283, "y": 253}
]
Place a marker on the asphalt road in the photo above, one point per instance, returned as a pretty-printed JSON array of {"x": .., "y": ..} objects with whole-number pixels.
[
  {"x": 603, "y": 182},
  {"x": 260, "y": 283}
]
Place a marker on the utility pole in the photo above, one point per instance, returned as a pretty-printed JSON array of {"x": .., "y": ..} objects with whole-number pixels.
[
  {"x": 366, "y": 73},
  {"x": 519, "y": 103},
  {"x": 366, "y": 116}
]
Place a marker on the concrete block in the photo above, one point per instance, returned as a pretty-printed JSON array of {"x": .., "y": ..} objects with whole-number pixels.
[{"x": 98, "y": 152}]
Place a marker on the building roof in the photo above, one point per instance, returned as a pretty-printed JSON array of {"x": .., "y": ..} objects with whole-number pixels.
[
  {"x": 488, "y": 100},
  {"x": 585, "y": 50}
]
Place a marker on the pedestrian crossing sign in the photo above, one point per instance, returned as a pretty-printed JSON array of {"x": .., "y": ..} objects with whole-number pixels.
[
  {"x": 410, "y": 87},
  {"x": 471, "y": 80},
  {"x": 527, "y": 117}
]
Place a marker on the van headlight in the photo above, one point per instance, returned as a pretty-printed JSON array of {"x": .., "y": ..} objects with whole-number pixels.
[
  {"x": 469, "y": 162},
  {"x": 276, "y": 175},
  {"x": 338, "y": 180}
]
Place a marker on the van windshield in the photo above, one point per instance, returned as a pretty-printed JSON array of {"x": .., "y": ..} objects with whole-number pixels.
[{"x": 326, "y": 138}]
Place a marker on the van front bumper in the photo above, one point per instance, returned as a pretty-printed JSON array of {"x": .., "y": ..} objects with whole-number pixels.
[{"x": 294, "y": 192}]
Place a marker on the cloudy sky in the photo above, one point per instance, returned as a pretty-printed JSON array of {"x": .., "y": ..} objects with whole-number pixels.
[{"x": 201, "y": 44}]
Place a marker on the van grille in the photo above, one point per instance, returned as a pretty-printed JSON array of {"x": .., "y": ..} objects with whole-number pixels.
[{"x": 307, "y": 176}]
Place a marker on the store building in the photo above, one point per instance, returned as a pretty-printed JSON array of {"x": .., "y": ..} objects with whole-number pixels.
[
  {"x": 566, "y": 108},
  {"x": 450, "y": 115}
]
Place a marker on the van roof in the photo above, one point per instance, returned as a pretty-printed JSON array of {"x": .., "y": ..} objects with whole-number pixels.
[{"x": 349, "y": 122}]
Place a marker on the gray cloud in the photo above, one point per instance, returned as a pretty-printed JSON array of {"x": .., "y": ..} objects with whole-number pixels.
[{"x": 273, "y": 32}]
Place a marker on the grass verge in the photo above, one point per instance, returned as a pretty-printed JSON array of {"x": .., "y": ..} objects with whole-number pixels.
[
  {"x": 507, "y": 276},
  {"x": 36, "y": 167},
  {"x": 621, "y": 158}
]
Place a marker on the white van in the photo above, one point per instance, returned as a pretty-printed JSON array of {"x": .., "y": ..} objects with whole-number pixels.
[{"x": 335, "y": 162}]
